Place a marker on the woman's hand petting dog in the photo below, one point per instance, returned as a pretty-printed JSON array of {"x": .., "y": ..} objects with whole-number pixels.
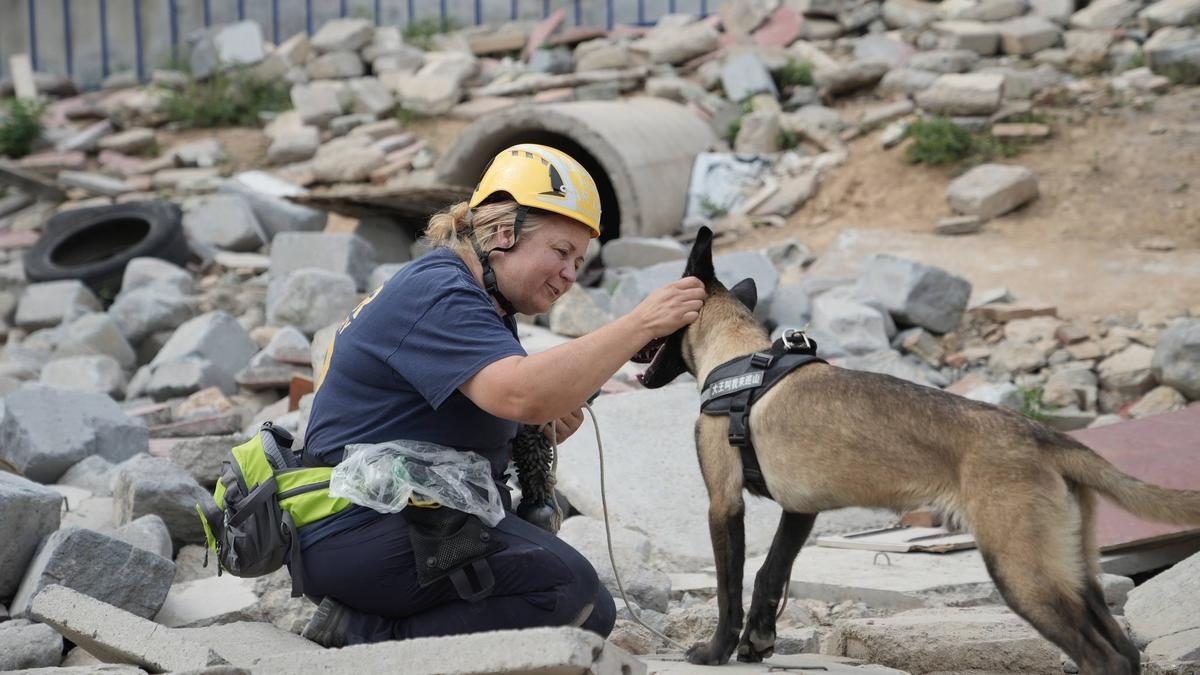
[
  {"x": 562, "y": 428},
  {"x": 672, "y": 307}
]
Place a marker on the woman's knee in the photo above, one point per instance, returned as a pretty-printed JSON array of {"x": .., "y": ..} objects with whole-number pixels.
[{"x": 604, "y": 614}]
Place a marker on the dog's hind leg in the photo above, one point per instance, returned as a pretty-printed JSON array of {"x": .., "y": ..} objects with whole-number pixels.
[
  {"x": 758, "y": 640},
  {"x": 723, "y": 478},
  {"x": 1098, "y": 612},
  {"x": 1031, "y": 543}
]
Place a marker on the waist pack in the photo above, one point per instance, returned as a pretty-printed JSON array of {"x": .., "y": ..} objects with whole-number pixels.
[{"x": 263, "y": 496}]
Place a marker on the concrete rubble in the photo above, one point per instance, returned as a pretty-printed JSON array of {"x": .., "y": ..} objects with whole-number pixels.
[{"x": 121, "y": 402}]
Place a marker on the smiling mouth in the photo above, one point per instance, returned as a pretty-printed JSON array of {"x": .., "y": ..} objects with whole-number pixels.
[{"x": 554, "y": 291}]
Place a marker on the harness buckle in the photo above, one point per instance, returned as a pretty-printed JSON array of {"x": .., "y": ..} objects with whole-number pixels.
[
  {"x": 792, "y": 344},
  {"x": 761, "y": 360}
]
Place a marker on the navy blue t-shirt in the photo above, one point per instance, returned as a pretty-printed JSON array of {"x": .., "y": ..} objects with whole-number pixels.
[{"x": 395, "y": 367}]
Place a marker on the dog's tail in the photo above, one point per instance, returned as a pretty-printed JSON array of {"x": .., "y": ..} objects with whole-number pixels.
[{"x": 1164, "y": 505}]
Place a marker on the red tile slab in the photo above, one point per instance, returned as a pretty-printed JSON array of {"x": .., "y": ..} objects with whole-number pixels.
[
  {"x": 781, "y": 29},
  {"x": 1164, "y": 450},
  {"x": 542, "y": 31}
]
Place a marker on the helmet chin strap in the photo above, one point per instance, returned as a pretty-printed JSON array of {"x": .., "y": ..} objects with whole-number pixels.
[{"x": 489, "y": 274}]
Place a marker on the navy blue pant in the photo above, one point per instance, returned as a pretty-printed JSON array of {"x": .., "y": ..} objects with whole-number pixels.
[{"x": 540, "y": 581}]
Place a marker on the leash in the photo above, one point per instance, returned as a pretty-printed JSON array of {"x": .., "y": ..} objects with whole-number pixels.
[{"x": 612, "y": 558}]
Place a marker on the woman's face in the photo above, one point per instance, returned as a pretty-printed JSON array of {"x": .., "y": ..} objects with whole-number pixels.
[{"x": 542, "y": 267}]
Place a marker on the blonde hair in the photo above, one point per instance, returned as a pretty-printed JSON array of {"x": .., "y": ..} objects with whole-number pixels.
[{"x": 452, "y": 228}]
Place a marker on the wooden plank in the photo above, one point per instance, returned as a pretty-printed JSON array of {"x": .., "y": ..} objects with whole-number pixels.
[
  {"x": 22, "y": 77},
  {"x": 1163, "y": 450}
]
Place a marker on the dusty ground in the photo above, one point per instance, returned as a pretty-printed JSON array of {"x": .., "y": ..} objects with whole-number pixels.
[{"x": 1108, "y": 184}]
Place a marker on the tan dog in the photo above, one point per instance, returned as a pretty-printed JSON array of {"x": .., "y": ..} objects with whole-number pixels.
[{"x": 827, "y": 438}]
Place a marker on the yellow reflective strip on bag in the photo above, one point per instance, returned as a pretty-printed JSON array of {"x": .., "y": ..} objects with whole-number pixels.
[
  {"x": 209, "y": 538},
  {"x": 219, "y": 495}
]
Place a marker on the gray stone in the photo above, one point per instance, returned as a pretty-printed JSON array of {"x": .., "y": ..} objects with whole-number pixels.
[
  {"x": 340, "y": 253},
  {"x": 93, "y": 474},
  {"x": 50, "y": 303},
  {"x": 426, "y": 94},
  {"x": 860, "y": 329},
  {"x": 148, "y": 533},
  {"x": 223, "y": 47},
  {"x": 1166, "y": 604},
  {"x": 157, "y": 272},
  {"x": 1157, "y": 401},
  {"x": 639, "y": 252},
  {"x": 310, "y": 298},
  {"x": 1176, "y": 361},
  {"x": 318, "y": 102},
  {"x": 28, "y": 513},
  {"x": 963, "y": 94},
  {"x": 267, "y": 196},
  {"x": 44, "y": 431},
  {"x": 347, "y": 34},
  {"x": 225, "y": 221},
  {"x": 86, "y": 139},
  {"x": 944, "y": 60},
  {"x": 295, "y": 145},
  {"x": 348, "y": 166},
  {"x": 204, "y": 153},
  {"x": 1169, "y": 13},
  {"x": 916, "y": 294},
  {"x": 216, "y": 337},
  {"x": 533, "y": 650},
  {"x": 29, "y": 645},
  {"x": 976, "y": 36},
  {"x": 335, "y": 65},
  {"x": 147, "y": 310},
  {"x": 1127, "y": 373},
  {"x": 909, "y": 13},
  {"x": 758, "y": 133},
  {"x": 99, "y": 566},
  {"x": 850, "y": 77},
  {"x": 1104, "y": 14},
  {"x": 678, "y": 45},
  {"x": 201, "y": 456},
  {"x": 993, "y": 10},
  {"x": 992, "y": 190},
  {"x": 1077, "y": 387},
  {"x": 648, "y": 587},
  {"x": 156, "y": 485},
  {"x": 791, "y": 307},
  {"x": 555, "y": 61},
  {"x": 744, "y": 75},
  {"x": 888, "y": 361},
  {"x": 119, "y": 636},
  {"x": 905, "y": 82},
  {"x": 1028, "y": 34},
  {"x": 1179, "y": 647},
  {"x": 209, "y": 601},
  {"x": 975, "y": 639},
  {"x": 96, "y": 334},
  {"x": 1175, "y": 53},
  {"x": 369, "y": 95},
  {"x": 264, "y": 372},
  {"x": 1116, "y": 591},
  {"x": 289, "y": 345},
  {"x": 129, "y": 142},
  {"x": 577, "y": 313},
  {"x": 244, "y": 642},
  {"x": 731, "y": 268},
  {"x": 94, "y": 183},
  {"x": 99, "y": 374}
]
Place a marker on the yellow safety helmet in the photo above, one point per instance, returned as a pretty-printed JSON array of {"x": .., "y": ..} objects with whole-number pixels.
[{"x": 541, "y": 177}]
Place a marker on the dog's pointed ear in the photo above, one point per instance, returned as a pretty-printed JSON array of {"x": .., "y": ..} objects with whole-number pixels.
[
  {"x": 746, "y": 291},
  {"x": 699, "y": 262}
]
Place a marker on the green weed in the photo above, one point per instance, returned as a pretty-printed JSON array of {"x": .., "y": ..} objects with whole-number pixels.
[
  {"x": 20, "y": 127},
  {"x": 226, "y": 99},
  {"x": 794, "y": 73},
  {"x": 938, "y": 141},
  {"x": 420, "y": 33}
]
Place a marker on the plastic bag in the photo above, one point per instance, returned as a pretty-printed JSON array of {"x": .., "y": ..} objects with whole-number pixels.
[{"x": 382, "y": 476}]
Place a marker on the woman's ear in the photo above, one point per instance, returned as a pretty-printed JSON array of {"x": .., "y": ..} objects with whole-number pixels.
[{"x": 504, "y": 236}]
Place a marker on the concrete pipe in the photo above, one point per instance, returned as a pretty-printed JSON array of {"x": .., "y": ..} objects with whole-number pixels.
[{"x": 640, "y": 151}]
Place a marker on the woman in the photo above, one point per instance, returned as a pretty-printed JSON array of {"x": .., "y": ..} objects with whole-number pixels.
[{"x": 433, "y": 356}]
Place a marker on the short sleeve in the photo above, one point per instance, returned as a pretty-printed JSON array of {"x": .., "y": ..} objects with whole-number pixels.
[{"x": 456, "y": 337}]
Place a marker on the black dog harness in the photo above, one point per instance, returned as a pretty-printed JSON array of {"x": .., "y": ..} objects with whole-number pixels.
[{"x": 733, "y": 387}]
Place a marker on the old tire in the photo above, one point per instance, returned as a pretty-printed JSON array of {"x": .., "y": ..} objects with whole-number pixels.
[{"x": 94, "y": 245}]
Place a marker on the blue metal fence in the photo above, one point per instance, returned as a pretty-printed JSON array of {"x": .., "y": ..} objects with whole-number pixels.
[{"x": 268, "y": 13}]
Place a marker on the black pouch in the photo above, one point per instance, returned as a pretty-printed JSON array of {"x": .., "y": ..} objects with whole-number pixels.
[{"x": 453, "y": 544}]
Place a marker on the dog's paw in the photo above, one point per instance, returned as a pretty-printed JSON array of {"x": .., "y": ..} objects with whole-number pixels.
[
  {"x": 705, "y": 654},
  {"x": 756, "y": 646}
]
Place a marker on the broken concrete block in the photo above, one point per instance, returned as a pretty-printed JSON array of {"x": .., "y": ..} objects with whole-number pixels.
[
  {"x": 1180, "y": 647},
  {"x": 1116, "y": 591},
  {"x": 96, "y": 334},
  {"x": 225, "y": 221},
  {"x": 860, "y": 329},
  {"x": 201, "y": 456},
  {"x": 98, "y": 374},
  {"x": 310, "y": 298},
  {"x": 991, "y": 190},
  {"x": 267, "y": 196},
  {"x": 244, "y": 642},
  {"x": 318, "y": 102},
  {"x": 1027, "y": 35},
  {"x": 146, "y": 484},
  {"x": 916, "y": 294},
  {"x": 289, "y": 345},
  {"x": 566, "y": 650},
  {"x": 348, "y": 35},
  {"x": 1166, "y": 604},
  {"x": 209, "y": 601},
  {"x": 646, "y": 586},
  {"x": 963, "y": 94},
  {"x": 148, "y": 310},
  {"x": 118, "y": 636},
  {"x": 223, "y": 47},
  {"x": 148, "y": 533},
  {"x": 155, "y": 272},
  {"x": 744, "y": 75},
  {"x": 180, "y": 377},
  {"x": 52, "y": 302},
  {"x": 1169, "y": 13},
  {"x": 44, "y": 431},
  {"x": 335, "y": 66},
  {"x": 1104, "y": 14},
  {"x": 1176, "y": 361},
  {"x": 978, "y": 639},
  {"x": 341, "y": 253},
  {"x": 92, "y": 473},
  {"x": 295, "y": 145},
  {"x": 29, "y": 645},
  {"x": 99, "y": 566},
  {"x": 216, "y": 337},
  {"x": 28, "y": 513},
  {"x": 975, "y": 36}
]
